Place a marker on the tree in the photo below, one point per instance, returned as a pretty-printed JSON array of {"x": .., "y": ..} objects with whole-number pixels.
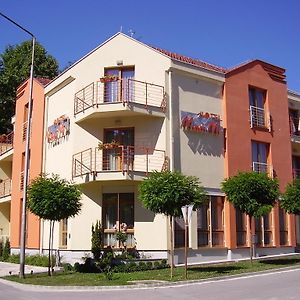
[
  {"x": 252, "y": 193},
  {"x": 53, "y": 199},
  {"x": 15, "y": 64},
  {"x": 290, "y": 200},
  {"x": 97, "y": 240},
  {"x": 166, "y": 192}
]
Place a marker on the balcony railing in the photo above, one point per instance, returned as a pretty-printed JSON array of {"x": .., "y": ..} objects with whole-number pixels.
[
  {"x": 126, "y": 91},
  {"x": 120, "y": 158},
  {"x": 6, "y": 142},
  {"x": 259, "y": 117},
  {"x": 260, "y": 167},
  {"x": 5, "y": 188}
]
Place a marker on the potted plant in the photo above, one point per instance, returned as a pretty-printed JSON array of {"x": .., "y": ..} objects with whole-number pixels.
[
  {"x": 109, "y": 78},
  {"x": 113, "y": 144}
]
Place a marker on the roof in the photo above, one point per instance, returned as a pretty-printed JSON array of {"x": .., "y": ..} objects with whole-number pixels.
[
  {"x": 43, "y": 81},
  {"x": 191, "y": 61}
]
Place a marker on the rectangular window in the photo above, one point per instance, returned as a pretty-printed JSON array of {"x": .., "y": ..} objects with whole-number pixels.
[
  {"x": 241, "y": 228},
  {"x": 210, "y": 223},
  {"x": 117, "y": 214},
  {"x": 121, "y": 156},
  {"x": 260, "y": 153},
  {"x": 296, "y": 166},
  {"x": 257, "y": 107},
  {"x": 179, "y": 232},
  {"x": 283, "y": 227},
  {"x": 294, "y": 122},
  {"x": 263, "y": 231},
  {"x": 121, "y": 89},
  {"x": 63, "y": 236}
]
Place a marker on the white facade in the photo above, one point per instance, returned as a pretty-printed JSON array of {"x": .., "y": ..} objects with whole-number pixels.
[{"x": 161, "y": 89}]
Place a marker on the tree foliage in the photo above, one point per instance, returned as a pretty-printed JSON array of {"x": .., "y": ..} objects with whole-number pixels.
[
  {"x": 290, "y": 200},
  {"x": 15, "y": 64},
  {"x": 166, "y": 192},
  {"x": 252, "y": 193},
  {"x": 97, "y": 240},
  {"x": 53, "y": 198}
]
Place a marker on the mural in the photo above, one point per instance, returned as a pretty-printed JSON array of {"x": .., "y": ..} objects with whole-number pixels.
[
  {"x": 201, "y": 122},
  {"x": 60, "y": 129}
]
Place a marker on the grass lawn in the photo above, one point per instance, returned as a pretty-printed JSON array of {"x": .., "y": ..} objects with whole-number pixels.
[{"x": 199, "y": 272}]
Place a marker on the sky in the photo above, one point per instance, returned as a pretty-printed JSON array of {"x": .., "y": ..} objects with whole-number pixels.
[{"x": 222, "y": 32}]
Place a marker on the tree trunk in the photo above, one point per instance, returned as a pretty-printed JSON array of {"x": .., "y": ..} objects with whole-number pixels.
[
  {"x": 51, "y": 257},
  {"x": 49, "y": 250},
  {"x": 171, "y": 246},
  {"x": 251, "y": 239}
]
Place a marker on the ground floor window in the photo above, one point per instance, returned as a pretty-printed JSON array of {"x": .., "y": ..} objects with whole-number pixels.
[
  {"x": 283, "y": 227},
  {"x": 241, "y": 228},
  {"x": 179, "y": 232},
  {"x": 118, "y": 215},
  {"x": 63, "y": 233},
  {"x": 263, "y": 231},
  {"x": 210, "y": 223}
]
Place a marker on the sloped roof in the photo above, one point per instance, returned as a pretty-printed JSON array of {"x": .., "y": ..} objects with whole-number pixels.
[
  {"x": 43, "y": 81},
  {"x": 191, "y": 61}
]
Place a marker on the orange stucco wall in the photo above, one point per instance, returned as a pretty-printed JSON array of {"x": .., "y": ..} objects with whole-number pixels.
[
  {"x": 238, "y": 156},
  {"x": 36, "y": 148}
]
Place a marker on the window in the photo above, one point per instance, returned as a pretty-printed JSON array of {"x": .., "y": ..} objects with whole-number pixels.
[
  {"x": 260, "y": 152},
  {"x": 294, "y": 122},
  {"x": 257, "y": 107},
  {"x": 120, "y": 90},
  {"x": 179, "y": 232},
  {"x": 63, "y": 233},
  {"x": 263, "y": 230},
  {"x": 118, "y": 158},
  {"x": 241, "y": 228},
  {"x": 296, "y": 166},
  {"x": 283, "y": 227},
  {"x": 210, "y": 223},
  {"x": 117, "y": 209}
]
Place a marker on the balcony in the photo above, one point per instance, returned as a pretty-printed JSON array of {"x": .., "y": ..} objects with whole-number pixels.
[
  {"x": 6, "y": 146},
  {"x": 119, "y": 98},
  {"x": 5, "y": 190},
  {"x": 259, "y": 118},
  {"x": 260, "y": 167},
  {"x": 295, "y": 128},
  {"x": 118, "y": 163}
]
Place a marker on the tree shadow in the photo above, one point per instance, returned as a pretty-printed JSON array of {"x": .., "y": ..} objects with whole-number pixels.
[
  {"x": 282, "y": 261},
  {"x": 215, "y": 269}
]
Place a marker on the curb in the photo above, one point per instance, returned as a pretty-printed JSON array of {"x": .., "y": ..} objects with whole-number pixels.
[{"x": 159, "y": 284}]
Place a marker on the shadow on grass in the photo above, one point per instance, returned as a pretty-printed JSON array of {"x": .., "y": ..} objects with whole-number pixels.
[
  {"x": 216, "y": 269},
  {"x": 290, "y": 261}
]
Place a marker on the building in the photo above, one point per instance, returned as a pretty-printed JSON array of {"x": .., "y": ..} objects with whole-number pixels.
[{"x": 126, "y": 109}]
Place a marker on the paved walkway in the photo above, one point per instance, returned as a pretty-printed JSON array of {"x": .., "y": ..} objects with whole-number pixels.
[{"x": 7, "y": 269}]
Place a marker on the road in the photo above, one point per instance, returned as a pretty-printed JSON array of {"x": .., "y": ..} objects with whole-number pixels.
[{"x": 283, "y": 285}]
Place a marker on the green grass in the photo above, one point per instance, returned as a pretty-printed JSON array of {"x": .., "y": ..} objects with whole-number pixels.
[{"x": 194, "y": 273}]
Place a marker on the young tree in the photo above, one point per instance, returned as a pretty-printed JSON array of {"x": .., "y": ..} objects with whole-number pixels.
[
  {"x": 97, "y": 240},
  {"x": 252, "y": 193},
  {"x": 166, "y": 192},
  {"x": 53, "y": 199},
  {"x": 290, "y": 200},
  {"x": 15, "y": 64}
]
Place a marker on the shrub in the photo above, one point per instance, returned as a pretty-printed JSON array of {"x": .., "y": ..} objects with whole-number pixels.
[
  {"x": 96, "y": 240},
  {"x": 6, "y": 250},
  {"x": 1, "y": 249}
]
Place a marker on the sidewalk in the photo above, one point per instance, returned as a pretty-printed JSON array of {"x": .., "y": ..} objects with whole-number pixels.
[{"x": 7, "y": 269}]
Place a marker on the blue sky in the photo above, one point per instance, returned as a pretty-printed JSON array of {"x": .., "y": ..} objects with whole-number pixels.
[{"x": 222, "y": 32}]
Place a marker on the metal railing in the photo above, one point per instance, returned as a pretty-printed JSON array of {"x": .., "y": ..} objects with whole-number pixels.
[
  {"x": 5, "y": 188},
  {"x": 6, "y": 142},
  {"x": 119, "y": 158},
  {"x": 124, "y": 91},
  {"x": 259, "y": 117},
  {"x": 260, "y": 167},
  {"x": 296, "y": 173}
]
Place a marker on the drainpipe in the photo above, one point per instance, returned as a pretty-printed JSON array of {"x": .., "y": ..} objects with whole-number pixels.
[{"x": 171, "y": 138}]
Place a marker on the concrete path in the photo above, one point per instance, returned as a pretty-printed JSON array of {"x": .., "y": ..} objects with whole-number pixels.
[{"x": 7, "y": 269}]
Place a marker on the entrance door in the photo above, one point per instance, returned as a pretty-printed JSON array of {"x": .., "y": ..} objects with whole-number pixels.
[{"x": 121, "y": 154}]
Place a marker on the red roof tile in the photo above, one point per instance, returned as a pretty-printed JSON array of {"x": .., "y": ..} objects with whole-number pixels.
[
  {"x": 43, "y": 81},
  {"x": 192, "y": 61}
]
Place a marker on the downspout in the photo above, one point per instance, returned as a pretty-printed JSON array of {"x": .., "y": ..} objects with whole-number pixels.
[
  {"x": 171, "y": 138},
  {"x": 46, "y": 106}
]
